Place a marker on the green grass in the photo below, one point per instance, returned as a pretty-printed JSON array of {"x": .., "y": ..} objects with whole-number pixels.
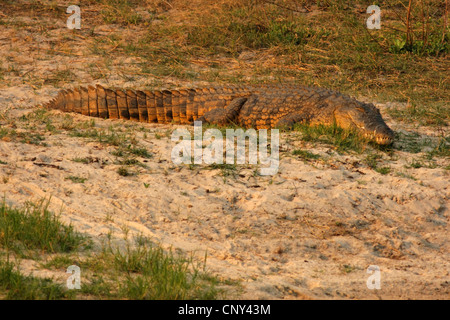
[
  {"x": 120, "y": 12},
  {"x": 76, "y": 179},
  {"x": 124, "y": 172},
  {"x": 60, "y": 76},
  {"x": 23, "y": 136},
  {"x": 139, "y": 151},
  {"x": 438, "y": 114},
  {"x": 415, "y": 164},
  {"x": 125, "y": 142},
  {"x": 241, "y": 31},
  {"x": 152, "y": 273},
  {"x": 343, "y": 140},
  {"x": 85, "y": 160},
  {"x": 16, "y": 286},
  {"x": 145, "y": 271},
  {"x": 348, "y": 268},
  {"x": 305, "y": 154},
  {"x": 442, "y": 147},
  {"x": 139, "y": 269},
  {"x": 372, "y": 161},
  {"x": 383, "y": 170},
  {"x": 413, "y": 142},
  {"x": 103, "y": 136},
  {"x": 405, "y": 175},
  {"x": 35, "y": 227},
  {"x": 88, "y": 160},
  {"x": 225, "y": 168},
  {"x": 130, "y": 150}
]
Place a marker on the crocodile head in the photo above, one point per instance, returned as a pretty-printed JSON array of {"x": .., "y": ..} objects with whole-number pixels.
[{"x": 366, "y": 118}]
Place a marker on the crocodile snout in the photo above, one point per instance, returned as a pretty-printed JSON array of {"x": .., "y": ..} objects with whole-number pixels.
[{"x": 382, "y": 134}]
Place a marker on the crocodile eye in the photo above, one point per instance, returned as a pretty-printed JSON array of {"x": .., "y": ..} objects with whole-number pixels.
[{"x": 360, "y": 109}]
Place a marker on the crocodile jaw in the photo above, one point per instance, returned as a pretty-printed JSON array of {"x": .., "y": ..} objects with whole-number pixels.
[
  {"x": 366, "y": 118},
  {"x": 379, "y": 138},
  {"x": 376, "y": 130}
]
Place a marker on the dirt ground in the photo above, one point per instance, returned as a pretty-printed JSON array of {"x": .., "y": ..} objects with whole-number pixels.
[{"x": 308, "y": 232}]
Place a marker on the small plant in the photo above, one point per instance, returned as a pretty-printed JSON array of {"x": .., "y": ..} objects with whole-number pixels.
[
  {"x": 383, "y": 170},
  {"x": 372, "y": 161},
  {"x": 123, "y": 171},
  {"x": 225, "y": 168},
  {"x": 140, "y": 152},
  {"x": 306, "y": 155},
  {"x": 129, "y": 162},
  {"x": 85, "y": 160},
  {"x": 416, "y": 164},
  {"x": 348, "y": 268},
  {"x": 405, "y": 175},
  {"x": 76, "y": 179},
  {"x": 124, "y": 151}
]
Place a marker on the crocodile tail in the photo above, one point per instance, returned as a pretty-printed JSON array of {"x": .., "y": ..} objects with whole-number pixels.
[
  {"x": 90, "y": 101},
  {"x": 179, "y": 106},
  {"x": 142, "y": 106}
]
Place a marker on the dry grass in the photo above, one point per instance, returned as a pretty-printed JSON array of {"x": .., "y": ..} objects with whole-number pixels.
[{"x": 323, "y": 43}]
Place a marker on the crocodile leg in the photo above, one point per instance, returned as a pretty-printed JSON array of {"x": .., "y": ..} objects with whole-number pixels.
[
  {"x": 224, "y": 116},
  {"x": 290, "y": 119}
]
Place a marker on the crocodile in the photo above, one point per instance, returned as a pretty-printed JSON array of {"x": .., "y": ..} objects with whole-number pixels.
[{"x": 257, "y": 106}]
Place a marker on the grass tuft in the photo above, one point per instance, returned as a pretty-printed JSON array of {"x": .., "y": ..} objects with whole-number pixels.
[
  {"x": 17, "y": 286},
  {"x": 35, "y": 227},
  {"x": 152, "y": 273},
  {"x": 343, "y": 140}
]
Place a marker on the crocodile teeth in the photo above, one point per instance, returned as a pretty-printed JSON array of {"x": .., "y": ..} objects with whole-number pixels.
[{"x": 383, "y": 140}]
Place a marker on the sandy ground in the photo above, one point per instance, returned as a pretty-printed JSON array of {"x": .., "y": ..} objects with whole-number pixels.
[{"x": 308, "y": 232}]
